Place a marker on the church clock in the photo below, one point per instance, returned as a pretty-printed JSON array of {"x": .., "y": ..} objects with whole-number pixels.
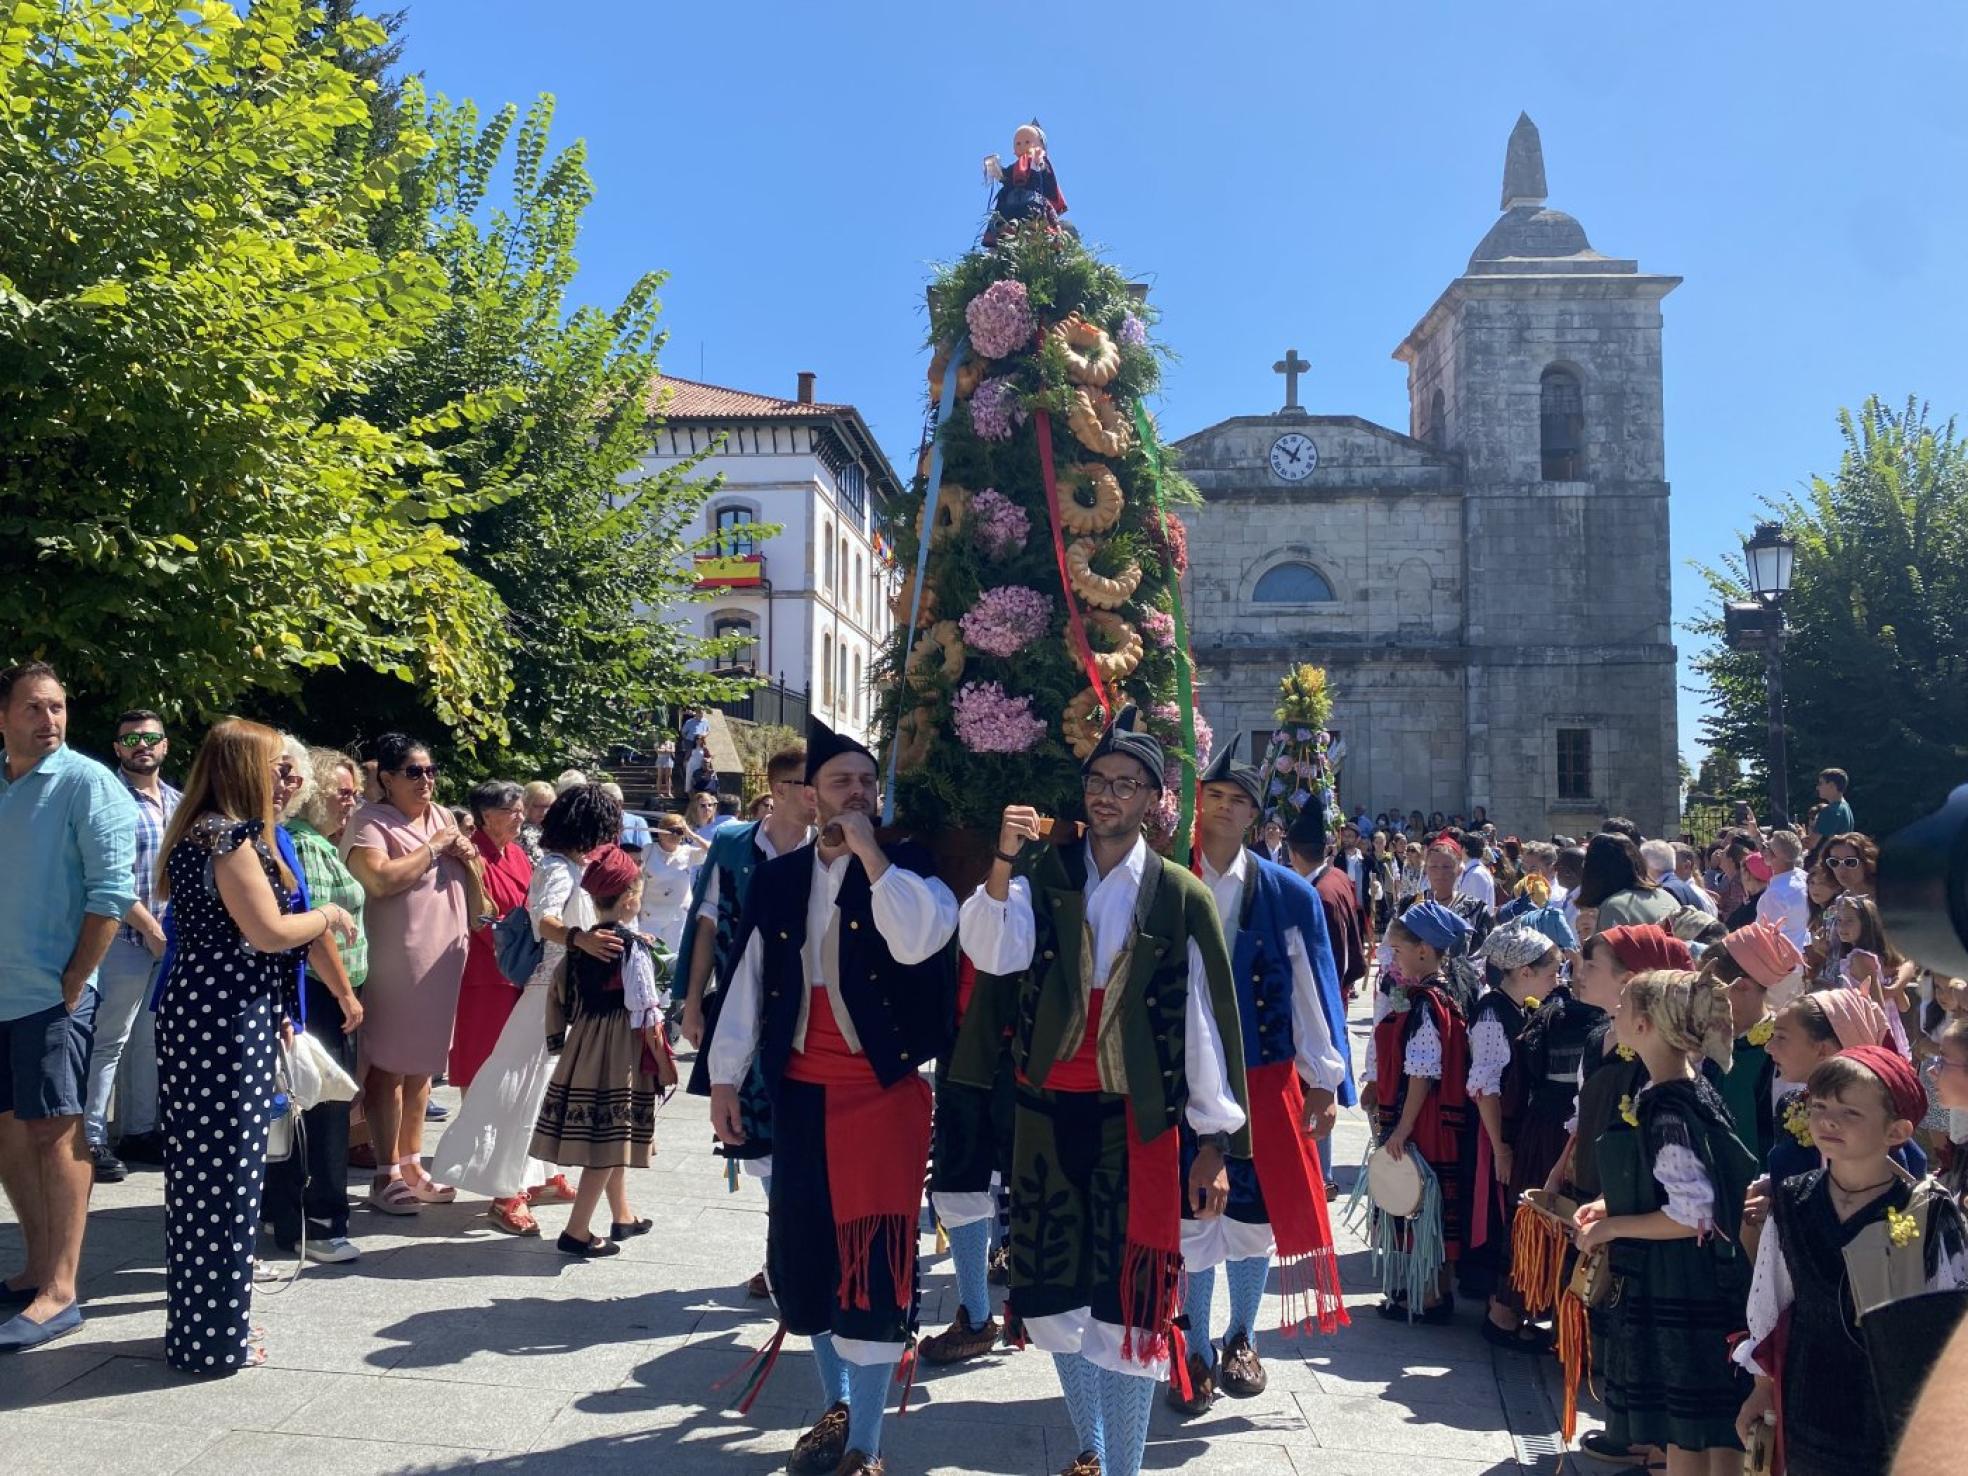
[{"x": 1293, "y": 457}]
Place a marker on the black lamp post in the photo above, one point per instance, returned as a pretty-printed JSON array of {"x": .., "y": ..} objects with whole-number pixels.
[{"x": 1770, "y": 555}]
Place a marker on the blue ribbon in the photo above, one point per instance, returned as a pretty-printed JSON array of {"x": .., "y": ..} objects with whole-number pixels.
[{"x": 944, "y": 406}]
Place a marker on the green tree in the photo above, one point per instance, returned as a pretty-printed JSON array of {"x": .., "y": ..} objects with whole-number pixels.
[
  {"x": 191, "y": 510},
  {"x": 585, "y": 553},
  {"x": 1876, "y": 662}
]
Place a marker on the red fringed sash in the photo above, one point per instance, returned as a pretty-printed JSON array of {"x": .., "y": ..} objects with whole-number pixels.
[
  {"x": 1295, "y": 1198},
  {"x": 1151, "y": 1260}
]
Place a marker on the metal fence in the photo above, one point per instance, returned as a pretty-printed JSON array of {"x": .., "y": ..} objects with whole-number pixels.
[{"x": 772, "y": 705}]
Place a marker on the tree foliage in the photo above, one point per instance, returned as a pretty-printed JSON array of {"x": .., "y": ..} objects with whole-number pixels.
[
  {"x": 187, "y": 295},
  {"x": 1876, "y": 664}
]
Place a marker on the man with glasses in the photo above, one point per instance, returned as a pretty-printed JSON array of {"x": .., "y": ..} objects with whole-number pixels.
[
  {"x": 1106, "y": 964},
  {"x": 67, "y": 850},
  {"x": 124, "y": 1028},
  {"x": 710, "y": 945}
]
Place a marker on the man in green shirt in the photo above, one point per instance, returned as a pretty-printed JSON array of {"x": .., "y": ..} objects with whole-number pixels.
[{"x": 1835, "y": 814}]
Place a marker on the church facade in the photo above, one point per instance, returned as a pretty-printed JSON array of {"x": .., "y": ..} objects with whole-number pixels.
[{"x": 1489, "y": 589}]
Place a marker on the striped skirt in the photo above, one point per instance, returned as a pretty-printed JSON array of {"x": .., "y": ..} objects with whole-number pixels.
[{"x": 600, "y": 1107}]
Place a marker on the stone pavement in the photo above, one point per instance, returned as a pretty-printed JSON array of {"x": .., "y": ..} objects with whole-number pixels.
[{"x": 450, "y": 1348}]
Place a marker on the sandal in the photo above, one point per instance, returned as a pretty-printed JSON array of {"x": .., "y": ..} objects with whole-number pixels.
[
  {"x": 426, "y": 1190},
  {"x": 394, "y": 1198},
  {"x": 555, "y": 1191},
  {"x": 512, "y": 1217}
]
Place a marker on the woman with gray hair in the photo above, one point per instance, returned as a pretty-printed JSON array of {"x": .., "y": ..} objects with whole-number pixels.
[
  {"x": 306, "y": 1196},
  {"x": 487, "y": 997}
]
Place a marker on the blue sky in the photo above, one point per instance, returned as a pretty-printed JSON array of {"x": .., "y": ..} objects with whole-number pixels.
[{"x": 1301, "y": 174}]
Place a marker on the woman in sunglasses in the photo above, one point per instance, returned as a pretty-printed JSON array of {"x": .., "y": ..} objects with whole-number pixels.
[
  {"x": 423, "y": 881},
  {"x": 1853, "y": 860},
  {"x": 668, "y": 870}
]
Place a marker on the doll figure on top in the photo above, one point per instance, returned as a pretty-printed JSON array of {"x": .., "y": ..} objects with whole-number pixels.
[{"x": 1027, "y": 187}]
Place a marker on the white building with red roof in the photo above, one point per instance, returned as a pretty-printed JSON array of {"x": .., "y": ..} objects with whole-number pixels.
[{"x": 812, "y": 599}]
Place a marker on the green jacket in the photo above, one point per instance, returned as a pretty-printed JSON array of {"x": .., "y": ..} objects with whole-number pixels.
[{"x": 1041, "y": 1008}]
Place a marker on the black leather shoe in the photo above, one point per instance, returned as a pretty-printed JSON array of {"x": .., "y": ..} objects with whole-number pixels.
[
  {"x": 587, "y": 1250},
  {"x": 109, "y": 1168}
]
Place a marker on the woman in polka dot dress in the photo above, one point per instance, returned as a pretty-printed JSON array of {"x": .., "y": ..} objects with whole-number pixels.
[{"x": 221, "y": 1009}]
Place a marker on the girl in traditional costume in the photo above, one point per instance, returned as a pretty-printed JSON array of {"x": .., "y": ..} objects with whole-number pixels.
[
  {"x": 1753, "y": 964},
  {"x": 1421, "y": 1097},
  {"x": 1845, "y": 1242},
  {"x": 1674, "y": 1177}
]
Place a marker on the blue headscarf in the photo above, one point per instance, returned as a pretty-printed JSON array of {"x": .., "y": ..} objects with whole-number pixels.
[
  {"x": 1551, "y": 922},
  {"x": 1436, "y": 925}
]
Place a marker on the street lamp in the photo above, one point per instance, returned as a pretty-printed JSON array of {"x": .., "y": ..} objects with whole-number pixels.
[{"x": 1770, "y": 555}]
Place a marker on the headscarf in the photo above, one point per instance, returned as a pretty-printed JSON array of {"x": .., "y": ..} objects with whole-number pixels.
[
  {"x": 1514, "y": 945},
  {"x": 824, "y": 744},
  {"x": 1765, "y": 954},
  {"x": 1552, "y": 922},
  {"x": 1125, "y": 738},
  {"x": 1437, "y": 926},
  {"x": 1854, "y": 1018},
  {"x": 1224, "y": 769},
  {"x": 1902, "y": 1081},
  {"x": 1537, "y": 888},
  {"x": 1643, "y": 946},
  {"x": 609, "y": 872},
  {"x": 1758, "y": 866}
]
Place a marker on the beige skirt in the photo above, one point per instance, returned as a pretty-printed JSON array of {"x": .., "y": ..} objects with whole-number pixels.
[{"x": 600, "y": 1107}]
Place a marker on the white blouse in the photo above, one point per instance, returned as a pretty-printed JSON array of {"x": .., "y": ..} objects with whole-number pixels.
[{"x": 1489, "y": 1055}]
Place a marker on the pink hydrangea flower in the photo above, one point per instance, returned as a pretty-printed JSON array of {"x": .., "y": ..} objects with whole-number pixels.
[
  {"x": 989, "y": 721},
  {"x": 995, "y": 411},
  {"x": 1159, "y": 627},
  {"x": 1000, "y": 319},
  {"x": 999, "y": 525},
  {"x": 1006, "y": 620}
]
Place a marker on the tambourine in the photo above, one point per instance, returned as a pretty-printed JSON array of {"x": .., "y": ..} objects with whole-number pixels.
[{"x": 1395, "y": 1184}]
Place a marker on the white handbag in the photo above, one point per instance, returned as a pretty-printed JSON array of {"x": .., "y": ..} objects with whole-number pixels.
[{"x": 312, "y": 1076}]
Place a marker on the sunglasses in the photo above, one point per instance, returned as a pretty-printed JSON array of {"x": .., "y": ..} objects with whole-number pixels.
[
  {"x": 418, "y": 771},
  {"x": 139, "y": 740},
  {"x": 1845, "y": 862},
  {"x": 283, "y": 771}
]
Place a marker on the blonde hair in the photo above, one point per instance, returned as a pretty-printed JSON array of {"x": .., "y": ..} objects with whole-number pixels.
[
  {"x": 324, "y": 764},
  {"x": 231, "y": 776},
  {"x": 303, "y": 762},
  {"x": 1690, "y": 1010}
]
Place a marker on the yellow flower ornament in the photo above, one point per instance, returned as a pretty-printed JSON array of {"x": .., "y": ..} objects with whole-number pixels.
[
  {"x": 1901, "y": 1228},
  {"x": 1531, "y": 1001},
  {"x": 1797, "y": 1121},
  {"x": 1627, "y": 1114},
  {"x": 1626, "y": 1053},
  {"x": 1761, "y": 1031}
]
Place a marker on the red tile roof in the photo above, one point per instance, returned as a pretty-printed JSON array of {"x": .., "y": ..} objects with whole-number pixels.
[{"x": 686, "y": 399}]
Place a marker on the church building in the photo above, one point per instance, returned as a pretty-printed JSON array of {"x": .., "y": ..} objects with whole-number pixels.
[{"x": 1488, "y": 590}]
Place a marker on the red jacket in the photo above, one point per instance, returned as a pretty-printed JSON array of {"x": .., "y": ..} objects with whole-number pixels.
[{"x": 1342, "y": 903}]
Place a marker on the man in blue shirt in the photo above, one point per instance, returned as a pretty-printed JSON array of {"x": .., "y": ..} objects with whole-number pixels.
[{"x": 68, "y": 853}]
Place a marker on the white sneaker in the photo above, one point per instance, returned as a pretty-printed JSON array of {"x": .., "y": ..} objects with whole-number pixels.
[{"x": 336, "y": 1252}]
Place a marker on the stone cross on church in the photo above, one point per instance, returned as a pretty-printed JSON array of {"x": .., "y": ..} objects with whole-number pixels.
[{"x": 1291, "y": 366}]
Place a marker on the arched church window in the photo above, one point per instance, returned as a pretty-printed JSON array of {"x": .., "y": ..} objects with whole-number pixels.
[
  {"x": 1293, "y": 584},
  {"x": 1561, "y": 426},
  {"x": 1438, "y": 421}
]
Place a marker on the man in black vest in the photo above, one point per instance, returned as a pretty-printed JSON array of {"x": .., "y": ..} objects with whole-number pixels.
[{"x": 844, "y": 987}]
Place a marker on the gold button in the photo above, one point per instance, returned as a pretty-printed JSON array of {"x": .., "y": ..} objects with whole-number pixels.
[{"x": 853, "y": 924}]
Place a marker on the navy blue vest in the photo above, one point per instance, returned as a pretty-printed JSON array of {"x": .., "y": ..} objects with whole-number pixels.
[
  {"x": 903, "y": 1013},
  {"x": 1276, "y": 900}
]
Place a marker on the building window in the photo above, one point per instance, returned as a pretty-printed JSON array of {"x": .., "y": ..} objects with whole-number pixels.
[
  {"x": 857, "y": 686},
  {"x": 843, "y": 676},
  {"x": 1293, "y": 584},
  {"x": 826, "y": 671},
  {"x": 853, "y": 484},
  {"x": 826, "y": 555},
  {"x": 1438, "y": 421},
  {"x": 734, "y": 531},
  {"x": 729, "y": 623},
  {"x": 857, "y": 584},
  {"x": 842, "y": 565},
  {"x": 1575, "y": 763},
  {"x": 1561, "y": 426}
]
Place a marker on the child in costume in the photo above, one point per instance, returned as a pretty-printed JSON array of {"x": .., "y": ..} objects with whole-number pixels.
[
  {"x": 1674, "y": 1176},
  {"x": 1844, "y": 1241},
  {"x": 1752, "y": 963},
  {"x": 1808, "y": 1032},
  {"x": 1421, "y": 1097},
  {"x": 599, "y": 1113},
  {"x": 1521, "y": 968},
  {"x": 1027, "y": 187}
]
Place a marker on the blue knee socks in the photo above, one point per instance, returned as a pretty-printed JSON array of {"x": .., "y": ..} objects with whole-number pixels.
[
  {"x": 1196, "y": 1301},
  {"x": 1247, "y": 1280},
  {"x": 867, "y": 1402},
  {"x": 832, "y": 1367},
  {"x": 1081, "y": 1382},
  {"x": 970, "y": 1249},
  {"x": 1125, "y": 1400}
]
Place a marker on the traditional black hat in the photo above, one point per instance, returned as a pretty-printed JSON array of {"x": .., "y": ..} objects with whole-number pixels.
[
  {"x": 823, "y": 743},
  {"x": 1309, "y": 829},
  {"x": 1224, "y": 769},
  {"x": 1124, "y": 738}
]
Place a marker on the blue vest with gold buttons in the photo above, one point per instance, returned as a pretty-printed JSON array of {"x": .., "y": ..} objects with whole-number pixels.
[
  {"x": 1277, "y": 900},
  {"x": 904, "y": 1014}
]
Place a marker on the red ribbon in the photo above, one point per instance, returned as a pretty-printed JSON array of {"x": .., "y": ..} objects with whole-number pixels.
[{"x": 1073, "y": 619}]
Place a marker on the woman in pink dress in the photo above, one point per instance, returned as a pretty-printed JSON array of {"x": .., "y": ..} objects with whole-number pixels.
[
  {"x": 488, "y": 996},
  {"x": 423, "y": 882}
]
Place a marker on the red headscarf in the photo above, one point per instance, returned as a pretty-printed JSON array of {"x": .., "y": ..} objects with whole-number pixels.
[
  {"x": 1902, "y": 1081},
  {"x": 1765, "y": 954},
  {"x": 610, "y": 870},
  {"x": 1643, "y": 946}
]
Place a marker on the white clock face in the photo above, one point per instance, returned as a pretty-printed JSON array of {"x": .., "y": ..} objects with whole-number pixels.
[{"x": 1293, "y": 457}]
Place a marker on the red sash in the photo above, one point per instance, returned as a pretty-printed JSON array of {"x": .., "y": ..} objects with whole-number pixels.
[
  {"x": 1151, "y": 1261},
  {"x": 1295, "y": 1198},
  {"x": 877, "y": 1153}
]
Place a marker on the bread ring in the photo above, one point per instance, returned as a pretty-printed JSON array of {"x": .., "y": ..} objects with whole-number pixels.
[
  {"x": 1097, "y": 421},
  {"x": 1091, "y": 356},
  {"x": 970, "y": 374},
  {"x": 1082, "y": 723},
  {"x": 1096, "y": 482},
  {"x": 1119, "y": 663},
  {"x": 912, "y": 737},
  {"x": 905, "y": 594},
  {"x": 1098, "y": 590},
  {"x": 937, "y": 658},
  {"x": 951, "y": 505}
]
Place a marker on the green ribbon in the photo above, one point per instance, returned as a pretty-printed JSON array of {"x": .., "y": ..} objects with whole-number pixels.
[{"x": 1184, "y": 663}]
